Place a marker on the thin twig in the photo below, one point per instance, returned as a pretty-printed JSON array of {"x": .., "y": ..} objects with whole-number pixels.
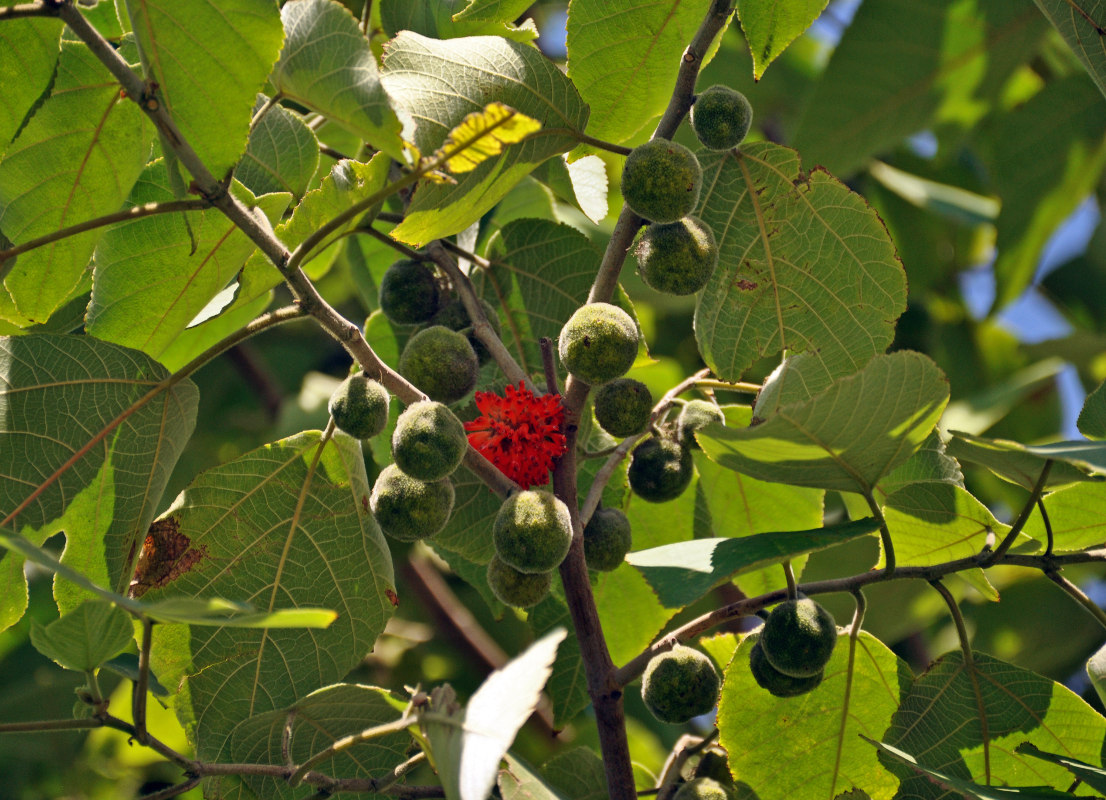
[
  {"x": 28, "y": 10},
  {"x": 549, "y": 366},
  {"x": 366, "y": 16},
  {"x": 286, "y": 740},
  {"x": 884, "y": 533},
  {"x": 729, "y": 386},
  {"x": 346, "y": 742},
  {"x": 139, "y": 691},
  {"x": 686, "y": 746},
  {"x": 261, "y": 112},
  {"x": 789, "y": 576},
  {"x": 1023, "y": 517},
  {"x": 337, "y": 155},
  {"x": 398, "y": 246},
  {"x": 173, "y": 791},
  {"x": 36, "y": 726},
  {"x": 1048, "y": 526}
]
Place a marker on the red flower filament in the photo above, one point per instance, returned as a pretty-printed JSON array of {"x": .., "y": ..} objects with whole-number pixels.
[{"x": 519, "y": 433}]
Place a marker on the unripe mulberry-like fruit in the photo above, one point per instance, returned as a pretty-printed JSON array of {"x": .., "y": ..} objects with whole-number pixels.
[
  {"x": 696, "y": 414},
  {"x": 532, "y": 531},
  {"x": 429, "y": 441},
  {"x": 607, "y": 539},
  {"x": 676, "y": 257},
  {"x": 660, "y": 470},
  {"x": 441, "y": 362},
  {"x": 518, "y": 589},
  {"x": 661, "y": 181},
  {"x": 721, "y": 117},
  {"x": 598, "y": 343},
  {"x": 623, "y": 407},
  {"x": 679, "y": 685},
  {"x": 407, "y": 508},
  {"x": 456, "y": 318},
  {"x": 408, "y": 293},
  {"x": 798, "y": 637},
  {"x": 360, "y": 407},
  {"x": 702, "y": 789},
  {"x": 777, "y": 683}
]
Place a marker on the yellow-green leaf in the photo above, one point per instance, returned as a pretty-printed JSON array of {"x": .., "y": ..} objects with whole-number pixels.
[{"x": 483, "y": 134}]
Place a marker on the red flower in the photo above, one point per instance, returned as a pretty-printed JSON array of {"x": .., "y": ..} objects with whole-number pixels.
[{"x": 519, "y": 433}]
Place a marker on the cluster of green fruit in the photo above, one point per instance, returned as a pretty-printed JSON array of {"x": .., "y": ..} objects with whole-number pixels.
[{"x": 793, "y": 648}]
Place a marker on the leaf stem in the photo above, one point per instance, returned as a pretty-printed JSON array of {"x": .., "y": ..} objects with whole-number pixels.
[
  {"x": 602, "y": 144},
  {"x": 346, "y": 742},
  {"x": 173, "y": 791},
  {"x": 789, "y": 576},
  {"x": 139, "y": 691},
  {"x": 850, "y": 673},
  {"x": 37, "y": 726},
  {"x": 1023, "y": 517},
  {"x": 261, "y": 112},
  {"x": 884, "y": 533},
  {"x": 730, "y": 386},
  {"x": 1048, "y": 526}
]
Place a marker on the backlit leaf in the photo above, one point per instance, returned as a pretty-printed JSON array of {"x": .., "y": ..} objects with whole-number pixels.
[
  {"x": 86, "y": 637},
  {"x": 1082, "y": 23},
  {"x": 483, "y": 135},
  {"x": 27, "y": 62},
  {"x": 771, "y": 26}
]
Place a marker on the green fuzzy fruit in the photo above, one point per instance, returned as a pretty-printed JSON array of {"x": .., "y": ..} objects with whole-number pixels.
[
  {"x": 407, "y": 508},
  {"x": 532, "y": 531},
  {"x": 429, "y": 441},
  {"x": 680, "y": 684},
  {"x": 661, "y": 181},
  {"x": 607, "y": 539},
  {"x": 715, "y": 764},
  {"x": 660, "y": 470},
  {"x": 702, "y": 789},
  {"x": 408, "y": 293},
  {"x": 623, "y": 406},
  {"x": 518, "y": 589},
  {"x": 777, "y": 683},
  {"x": 598, "y": 343},
  {"x": 441, "y": 362},
  {"x": 721, "y": 117},
  {"x": 360, "y": 407},
  {"x": 676, "y": 257},
  {"x": 798, "y": 637},
  {"x": 456, "y": 318},
  {"x": 695, "y": 415}
]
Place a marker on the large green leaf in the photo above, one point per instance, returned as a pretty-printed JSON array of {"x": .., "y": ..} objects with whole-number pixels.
[
  {"x": 568, "y": 683},
  {"x": 208, "y": 82},
  {"x": 770, "y": 26},
  {"x": 941, "y": 723},
  {"x": 808, "y": 747},
  {"x": 1022, "y": 464},
  {"x": 519, "y": 781},
  {"x": 76, "y": 159},
  {"x": 282, "y": 154},
  {"x": 437, "y": 84},
  {"x": 1081, "y": 23},
  {"x": 86, "y": 637},
  {"x": 285, "y": 525},
  {"x": 468, "y": 531},
  {"x": 577, "y": 774},
  {"x": 494, "y": 10},
  {"x": 628, "y": 611},
  {"x": 27, "y": 58},
  {"x": 89, "y": 433},
  {"x": 327, "y": 65},
  {"x": 951, "y": 60},
  {"x": 439, "y": 19},
  {"x": 624, "y": 59},
  {"x": 846, "y": 438},
  {"x": 1093, "y": 776},
  {"x": 803, "y": 265},
  {"x": 1077, "y": 516}
]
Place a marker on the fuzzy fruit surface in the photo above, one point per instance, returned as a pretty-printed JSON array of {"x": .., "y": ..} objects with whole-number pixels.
[
  {"x": 429, "y": 441},
  {"x": 660, "y": 470},
  {"x": 676, "y": 257},
  {"x": 598, "y": 343},
  {"x": 441, "y": 362},
  {"x": 407, "y": 508},
  {"x": 518, "y": 589},
  {"x": 798, "y": 637},
  {"x": 623, "y": 407},
  {"x": 607, "y": 539},
  {"x": 456, "y": 318},
  {"x": 679, "y": 685},
  {"x": 359, "y": 407},
  {"x": 532, "y": 531},
  {"x": 697, "y": 414},
  {"x": 408, "y": 293},
  {"x": 721, "y": 117},
  {"x": 702, "y": 789},
  {"x": 778, "y": 684},
  {"x": 661, "y": 181}
]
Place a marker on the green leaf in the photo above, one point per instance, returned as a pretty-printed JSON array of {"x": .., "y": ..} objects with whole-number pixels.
[
  {"x": 770, "y": 27},
  {"x": 438, "y": 19},
  {"x": 577, "y": 774},
  {"x": 982, "y": 410},
  {"x": 153, "y": 275},
  {"x": 282, "y": 154},
  {"x": 822, "y": 727},
  {"x": 493, "y": 10},
  {"x": 930, "y": 464},
  {"x": 1092, "y": 418},
  {"x": 624, "y": 59},
  {"x": 582, "y": 182},
  {"x": 939, "y": 723},
  {"x": 209, "y": 59},
  {"x": 437, "y": 84},
  {"x": 1081, "y": 23},
  {"x": 803, "y": 265},
  {"x": 483, "y": 135},
  {"x": 27, "y": 62},
  {"x": 1077, "y": 515},
  {"x": 682, "y": 573},
  {"x": 285, "y": 525},
  {"x": 328, "y": 66},
  {"x": 89, "y": 433},
  {"x": 86, "y": 637},
  {"x": 474, "y": 508},
  {"x": 621, "y": 596},
  {"x": 75, "y": 160},
  {"x": 126, "y": 666},
  {"x": 1022, "y": 464},
  {"x": 519, "y": 781},
  {"x": 568, "y": 684},
  {"x": 951, "y": 61},
  {"x": 846, "y": 438},
  {"x": 1093, "y": 776}
]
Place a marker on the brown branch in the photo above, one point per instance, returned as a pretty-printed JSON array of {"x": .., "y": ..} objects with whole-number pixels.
[{"x": 36, "y": 726}]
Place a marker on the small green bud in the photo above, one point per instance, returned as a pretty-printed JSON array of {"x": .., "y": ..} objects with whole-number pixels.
[
  {"x": 429, "y": 441},
  {"x": 407, "y": 508},
  {"x": 798, "y": 637},
  {"x": 676, "y": 257},
  {"x": 661, "y": 181},
  {"x": 623, "y": 407},
  {"x": 598, "y": 343},
  {"x": 408, "y": 293},
  {"x": 532, "y": 531},
  {"x": 721, "y": 117},
  {"x": 518, "y": 589},
  {"x": 778, "y": 684},
  {"x": 680, "y": 684},
  {"x": 441, "y": 362},
  {"x": 695, "y": 415},
  {"x": 456, "y": 318},
  {"x": 360, "y": 407},
  {"x": 702, "y": 789},
  {"x": 660, "y": 470},
  {"x": 607, "y": 539}
]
